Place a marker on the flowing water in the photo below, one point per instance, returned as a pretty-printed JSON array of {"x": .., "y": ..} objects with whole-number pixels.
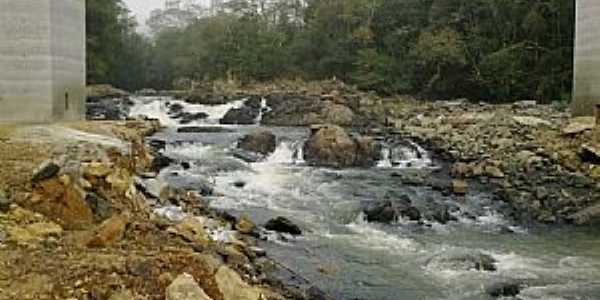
[{"x": 354, "y": 259}]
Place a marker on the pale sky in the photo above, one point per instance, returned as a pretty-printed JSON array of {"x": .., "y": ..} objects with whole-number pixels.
[{"x": 142, "y": 8}]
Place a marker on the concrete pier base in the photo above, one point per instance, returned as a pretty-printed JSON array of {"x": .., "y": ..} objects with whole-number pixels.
[
  {"x": 586, "y": 85},
  {"x": 42, "y": 60}
]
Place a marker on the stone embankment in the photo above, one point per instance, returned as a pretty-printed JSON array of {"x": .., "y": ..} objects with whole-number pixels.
[{"x": 74, "y": 224}]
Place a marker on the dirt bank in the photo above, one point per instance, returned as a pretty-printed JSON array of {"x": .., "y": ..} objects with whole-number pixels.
[{"x": 75, "y": 225}]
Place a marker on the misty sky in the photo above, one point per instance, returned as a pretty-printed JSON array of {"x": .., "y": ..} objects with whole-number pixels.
[{"x": 142, "y": 8}]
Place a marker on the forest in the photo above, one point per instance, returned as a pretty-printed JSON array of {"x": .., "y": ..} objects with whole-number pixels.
[{"x": 490, "y": 50}]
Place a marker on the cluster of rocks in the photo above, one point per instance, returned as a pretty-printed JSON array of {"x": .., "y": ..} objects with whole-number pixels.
[
  {"x": 296, "y": 109},
  {"x": 176, "y": 111},
  {"x": 105, "y": 102},
  {"x": 536, "y": 158},
  {"x": 98, "y": 235},
  {"x": 247, "y": 114}
]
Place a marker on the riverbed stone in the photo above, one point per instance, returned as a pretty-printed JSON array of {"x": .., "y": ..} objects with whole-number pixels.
[
  {"x": 63, "y": 202},
  {"x": 460, "y": 187},
  {"x": 504, "y": 288},
  {"x": 233, "y": 287},
  {"x": 160, "y": 162},
  {"x": 245, "y": 115},
  {"x": 185, "y": 287},
  {"x": 389, "y": 211},
  {"x": 283, "y": 225},
  {"x": 46, "y": 170},
  {"x": 4, "y": 202},
  {"x": 244, "y": 225},
  {"x": 263, "y": 142},
  {"x": 110, "y": 231}
]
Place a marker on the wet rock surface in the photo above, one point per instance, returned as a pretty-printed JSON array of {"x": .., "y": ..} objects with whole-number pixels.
[
  {"x": 261, "y": 142},
  {"x": 513, "y": 148},
  {"x": 332, "y": 146},
  {"x": 283, "y": 225},
  {"x": 390, "y": 211},
  {"x": 90, "y": 227}
]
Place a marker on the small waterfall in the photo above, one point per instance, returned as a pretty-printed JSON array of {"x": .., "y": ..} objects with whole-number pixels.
[
  {"x": 152, "y": 107},
  {"x": 299, "y": 153},
  {"x": 404, "y": 155},
  {"x": 264, "y": 108},
  {"x": 161, "y": 108}
]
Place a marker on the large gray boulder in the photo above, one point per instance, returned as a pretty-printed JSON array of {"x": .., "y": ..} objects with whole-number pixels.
[{"x": 332, "y": 146}]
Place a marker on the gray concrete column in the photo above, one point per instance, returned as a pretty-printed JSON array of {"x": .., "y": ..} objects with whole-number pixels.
[{"x": 586, "y": 86}]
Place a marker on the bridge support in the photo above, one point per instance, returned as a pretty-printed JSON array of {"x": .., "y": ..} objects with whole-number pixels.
[{"x": 586, "y": 85}]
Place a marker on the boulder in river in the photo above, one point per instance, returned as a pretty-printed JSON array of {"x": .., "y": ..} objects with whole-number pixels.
[
  {"x": 463, "y": 260},
  {"x": 505, "y": 288},
  {"x": 337, "y": 114},
  {"x": 283, "y": 225},
  {"x": 245, "y": 115},
  {"x": 332, "y": 146},
  {"x": 203, "y": 129},
  {"x": 389, "y": 211},
  {"x": 160, "y": 162},
  {"x": 261, "y": 142}
]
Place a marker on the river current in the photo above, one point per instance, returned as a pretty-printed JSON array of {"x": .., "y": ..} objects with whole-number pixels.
[{"x": 353, "y": 259}]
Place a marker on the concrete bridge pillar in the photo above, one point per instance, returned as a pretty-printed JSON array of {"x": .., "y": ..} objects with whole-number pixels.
[
  {"x": 586, "y": 85},
  {"x": 42, "y": 60}
]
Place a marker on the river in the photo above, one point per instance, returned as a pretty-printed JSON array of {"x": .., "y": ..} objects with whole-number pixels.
[{"x": 354, "y": 259}]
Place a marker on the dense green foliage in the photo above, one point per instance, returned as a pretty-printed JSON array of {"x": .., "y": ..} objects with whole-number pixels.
[
  {"x": 498, "y": 50},
  {"x": 116, "y": 54}
]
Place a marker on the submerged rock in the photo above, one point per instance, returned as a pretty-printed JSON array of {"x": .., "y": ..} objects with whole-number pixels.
[
  {"x": 184, "y": 287},
  {"x": 247, "y": 156},
  {"x": 463, "y": 260},
  {"x": 262, "y": 142},
  {"x": 389, "y": 211},
  {"x": 508, "y": 288},
  {"x": 203, "y": 129},
  {"x": 160, "y": 162},
  {"x": 187, "y": 118},
  {"x": 283, "y": 225}
]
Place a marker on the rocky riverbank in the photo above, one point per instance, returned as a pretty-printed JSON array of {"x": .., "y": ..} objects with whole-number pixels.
[
  {"x": 543, "y": 163},
  {"x": 75, "y": 223}
]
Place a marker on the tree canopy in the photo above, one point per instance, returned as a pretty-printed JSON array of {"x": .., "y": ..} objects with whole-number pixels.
[{"x": 496, "y": 50}]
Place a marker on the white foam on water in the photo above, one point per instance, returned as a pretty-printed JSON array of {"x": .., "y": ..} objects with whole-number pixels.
[
  {"x": 214, "y": 112},
  {"x": 263, "y": 109},
  {"x": 152, "y": 107},
  {"x": 189, "y": 151},
  {"x": 156, "y": 108},
  {"x": 402, "y": 157},
  {"x": 368, "y": 236},
  {"x": 283, "y": 154}
]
